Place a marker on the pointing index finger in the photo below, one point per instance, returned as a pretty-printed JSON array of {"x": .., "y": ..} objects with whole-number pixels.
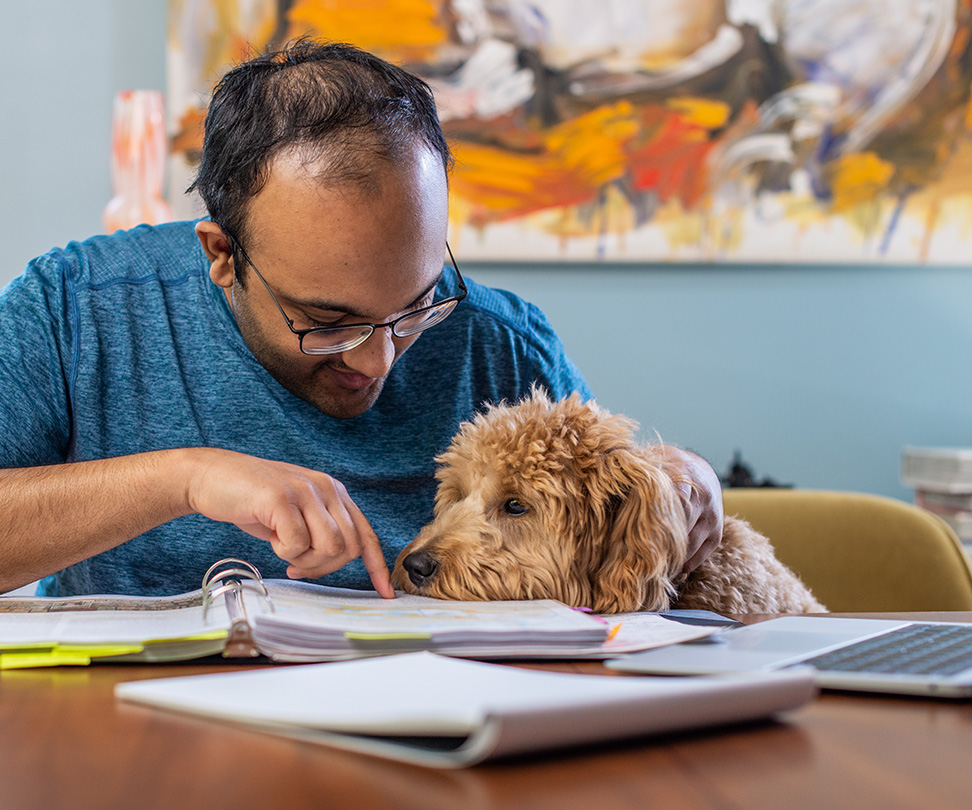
[
  {"x": 371, "y": 554},
  {"x": 374, "y": 563}
]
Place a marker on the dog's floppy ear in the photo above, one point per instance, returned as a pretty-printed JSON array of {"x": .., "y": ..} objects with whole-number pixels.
[{"x": 646, "y": 539}]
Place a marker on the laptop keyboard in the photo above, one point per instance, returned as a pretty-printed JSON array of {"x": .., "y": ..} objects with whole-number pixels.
[{"x": 918, "y": 649}]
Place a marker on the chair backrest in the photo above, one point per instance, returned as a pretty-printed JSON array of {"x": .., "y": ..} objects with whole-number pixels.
[{"x": 861, "y": 552}]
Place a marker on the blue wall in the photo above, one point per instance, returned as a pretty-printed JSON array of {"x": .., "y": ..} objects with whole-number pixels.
[
  {"x": 62, "y": 62},
  {"x": 819, "y": 375}
]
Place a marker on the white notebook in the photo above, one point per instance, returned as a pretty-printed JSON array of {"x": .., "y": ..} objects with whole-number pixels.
[{"x": 432, "y": 710}]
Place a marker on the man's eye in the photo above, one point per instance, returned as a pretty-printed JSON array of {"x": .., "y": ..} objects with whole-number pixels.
[
  {"x": 515, "y": 507},
  {"x": 325, "y": 322}
]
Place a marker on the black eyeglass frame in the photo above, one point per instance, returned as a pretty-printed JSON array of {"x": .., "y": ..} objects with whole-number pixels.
[{"x": 349, "y": 345}]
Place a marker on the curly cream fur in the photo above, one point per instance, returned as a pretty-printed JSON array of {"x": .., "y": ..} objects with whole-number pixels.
[{"x": 603, "y": 526}]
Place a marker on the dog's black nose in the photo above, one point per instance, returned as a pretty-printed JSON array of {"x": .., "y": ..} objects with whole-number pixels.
[{"x": 421, "y": 567}]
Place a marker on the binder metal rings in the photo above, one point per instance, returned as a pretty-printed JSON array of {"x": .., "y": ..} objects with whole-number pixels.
[{"x": 241, "y": 570}]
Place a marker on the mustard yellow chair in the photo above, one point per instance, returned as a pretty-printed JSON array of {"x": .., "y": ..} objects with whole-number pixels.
[{"x": 861, "y": 553}]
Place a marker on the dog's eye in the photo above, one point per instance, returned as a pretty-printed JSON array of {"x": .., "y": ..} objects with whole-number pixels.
[{"x": 514, "y": 507}]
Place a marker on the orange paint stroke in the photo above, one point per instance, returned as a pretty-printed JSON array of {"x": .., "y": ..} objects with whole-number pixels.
[
  {"x": 189, "y": 136},
  {"x": 398, "y": 29},
  {"x": 655, "y": 148},
  {"x": 571, "y": 164},
  {"x": 672, "y": 162}
]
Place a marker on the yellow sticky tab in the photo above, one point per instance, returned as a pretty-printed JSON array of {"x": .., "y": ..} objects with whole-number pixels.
[
  {"x": 64, "y": 655},
  {"x": 53, "y": 658},
  {"x": 209, "y": 634},
  {"x": 205, "y": 636},
  {"x": 100, "y": 651}
]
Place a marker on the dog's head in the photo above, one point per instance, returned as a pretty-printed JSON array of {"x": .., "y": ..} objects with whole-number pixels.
[{"x": 550, "y": 500}]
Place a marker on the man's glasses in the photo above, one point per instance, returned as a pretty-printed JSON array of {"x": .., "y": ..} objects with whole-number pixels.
[{"x": 336, "y": 339}]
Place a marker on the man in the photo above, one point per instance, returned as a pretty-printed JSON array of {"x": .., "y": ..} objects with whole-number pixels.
[{"x": 174, "y": 395}]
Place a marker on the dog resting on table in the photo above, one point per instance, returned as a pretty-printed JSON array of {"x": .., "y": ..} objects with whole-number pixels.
[{"x": 555, "y": 500}]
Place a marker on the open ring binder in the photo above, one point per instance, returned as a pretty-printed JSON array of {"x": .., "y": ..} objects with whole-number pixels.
[
  {"x": 239, "y": 614},
  {"x": 239, "y": 642},
  {"x": 248, "y": 572}
]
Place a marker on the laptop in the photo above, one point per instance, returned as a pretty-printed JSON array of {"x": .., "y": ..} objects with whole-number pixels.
[{"x": 865, "y": 655}]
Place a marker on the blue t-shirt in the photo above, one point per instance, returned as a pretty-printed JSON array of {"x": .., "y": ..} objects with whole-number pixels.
[{"x": 122, "y": 344}]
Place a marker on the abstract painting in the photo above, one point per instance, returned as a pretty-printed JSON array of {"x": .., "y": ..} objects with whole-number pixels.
[{"x": 811, "y": 131}]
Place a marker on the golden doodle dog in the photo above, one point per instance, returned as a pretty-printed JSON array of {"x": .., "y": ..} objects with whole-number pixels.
[{"x": 555, "y": 500}]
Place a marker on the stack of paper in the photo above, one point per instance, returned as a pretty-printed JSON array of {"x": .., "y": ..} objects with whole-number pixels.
[
  {"x": 942, "y": 480},
  {"x": 311, "y": 623}
]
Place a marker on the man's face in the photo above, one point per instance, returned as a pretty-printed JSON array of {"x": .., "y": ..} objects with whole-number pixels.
[{"x": 336, "y": 256}]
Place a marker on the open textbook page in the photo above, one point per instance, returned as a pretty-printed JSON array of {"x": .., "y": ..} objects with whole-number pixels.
[{"x": 307, "y": 621}]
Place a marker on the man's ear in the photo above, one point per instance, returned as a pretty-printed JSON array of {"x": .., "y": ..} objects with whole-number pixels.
[{"x": 218, "y": 251}]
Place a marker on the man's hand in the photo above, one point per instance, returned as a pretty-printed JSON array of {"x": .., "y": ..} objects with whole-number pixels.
[
  {"x": 702, "y": 495},
  {"x": 307, "y": 516}
]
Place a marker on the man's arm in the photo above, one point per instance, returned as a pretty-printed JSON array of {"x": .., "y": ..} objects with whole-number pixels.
[
  {"x": 702, "y": 494},
  {"x": 53, "y": 517}
]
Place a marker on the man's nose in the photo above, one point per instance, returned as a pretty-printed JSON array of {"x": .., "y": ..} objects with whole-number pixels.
[{"x": 374, "y": 357}]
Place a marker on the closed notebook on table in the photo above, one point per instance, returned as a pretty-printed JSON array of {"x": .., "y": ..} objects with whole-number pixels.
[{"x": 443, "y": 712}]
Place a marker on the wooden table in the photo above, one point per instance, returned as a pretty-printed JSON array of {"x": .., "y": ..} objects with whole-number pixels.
[{"x": 66, "y": 743}]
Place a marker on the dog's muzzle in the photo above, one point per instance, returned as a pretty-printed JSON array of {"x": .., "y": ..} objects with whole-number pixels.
[{"x": 421, "y": 567}]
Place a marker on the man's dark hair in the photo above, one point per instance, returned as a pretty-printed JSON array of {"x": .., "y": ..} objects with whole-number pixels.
[{"x": 340, "y": 107}]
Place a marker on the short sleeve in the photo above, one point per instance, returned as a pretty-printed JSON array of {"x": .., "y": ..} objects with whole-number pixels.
[{"x": 35, "y": 365}]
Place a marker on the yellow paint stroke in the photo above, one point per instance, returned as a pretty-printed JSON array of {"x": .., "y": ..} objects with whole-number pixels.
[
  {"x": 593, "y": 143},
  {"x": 948, "y": 200},
  {"x": 571, "y": 164},
  {"x": 617, "y": 215},
  {"x": 703, "y": 112},
  {"x": 611, "y": 214},
  {"x": 687, "y": 229},
  {"x": 953, "y": 178},
  {"x": 392, "y": 28},
  {"x": 932, "y": 213},
  {"x": 859, "y": 178},
  {"x": 858, "y": 183}
]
